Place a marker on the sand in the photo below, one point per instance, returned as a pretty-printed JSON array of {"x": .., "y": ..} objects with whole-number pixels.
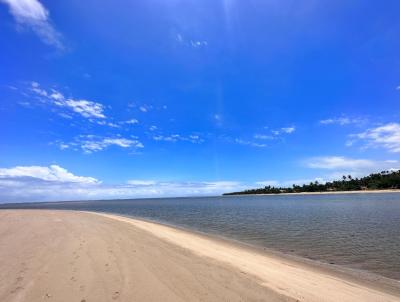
[{"x": 78, "y": 256}]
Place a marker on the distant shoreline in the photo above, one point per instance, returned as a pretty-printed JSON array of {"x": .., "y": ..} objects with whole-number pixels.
[{"x": 320, "y": 193}]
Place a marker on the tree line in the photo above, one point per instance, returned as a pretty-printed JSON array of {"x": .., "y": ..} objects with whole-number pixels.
[{"x": 375, "y": 181}]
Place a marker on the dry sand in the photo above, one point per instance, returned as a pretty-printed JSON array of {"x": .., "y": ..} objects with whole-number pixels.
[{"x": 78, "y": 256}]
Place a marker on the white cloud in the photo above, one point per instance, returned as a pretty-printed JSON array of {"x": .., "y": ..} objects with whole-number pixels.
[
  {"x": 193, "y": 138},
  {"x": 131, "y": 121},
  {"x": 283, "y": 130},
  {"x": 342, "y": 121},
  {"x": 113, "y": 125},
  {"x": 263, "y": 136},
  {"x": 336, "y": 167},
  {"x": 338, "y": 162},
  {"x": 39, "y": 183},
  {"x": 139, "y": 182},
  {"x": 274, "y": 134},
  {"x": 33, "y": 15},
  {"x": 92, "y": 143},
  {"x": 149, "y": 188},
  {"x": 179, "y": 38},
  {"x": 143, "y": 109},
  {"x": 110, "y": 124},
  {"x": 385, "y": 136},
  {"x": 340, "y": 165},
  {"x": 56, "y": 95},
  {"x": 51, "y": 173},
  {"x": 288, "y": 130},
  {"x": 249, "y": 143},
  {"x": 153, "y": 128},
  {"x": 198, "y": 43},
  {"x": 63, "y": 146},
  {"x": 190, "y": 42},
  {"x": 170, "y": 138},
  {"x": 87, "y": 109}
]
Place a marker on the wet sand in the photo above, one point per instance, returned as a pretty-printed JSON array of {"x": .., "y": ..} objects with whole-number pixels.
[{"x": 50, "y": 255}]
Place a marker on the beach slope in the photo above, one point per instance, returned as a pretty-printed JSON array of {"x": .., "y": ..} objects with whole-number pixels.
[{"x": 79, "y": 256}]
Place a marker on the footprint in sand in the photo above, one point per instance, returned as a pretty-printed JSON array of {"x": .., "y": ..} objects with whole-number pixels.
[
  {"x": 18, "y": 288},
  {"x": 115, "y": 296}
]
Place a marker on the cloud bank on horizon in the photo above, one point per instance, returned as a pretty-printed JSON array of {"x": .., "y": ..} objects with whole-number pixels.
[{"x": 200, "y": 102}]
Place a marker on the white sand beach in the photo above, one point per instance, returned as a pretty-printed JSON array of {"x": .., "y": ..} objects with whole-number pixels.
[{"x": 80, "y": 256}]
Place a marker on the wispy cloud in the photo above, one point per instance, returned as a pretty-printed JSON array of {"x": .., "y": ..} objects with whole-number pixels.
[
  {"x": 218, "y": 119},
  {"x": 143, "y": 109},
  {"x": 288, "y": 130},
  {"x": 194, "y": 43},
  {"x": 141, "y": 182},
  {"x": 131, "y": 122},
  {"x": 338, "y": 162},
  {"x": 87, "y": 109},
  {"x": 109, "y": 124},
  {"x": 243, "y": 142},
  {"x": 263, "y": 136},
  {"x": 193, "y": 138},
  {"x": 197, "y": 44},
  {"x": 33, "y": 15},
  {"x": 93, "y": 143},
  {"x": 273, "y": 134},
  {"x": 385, "y": 136},
  {"x": 342, "y": 121},
  {"x": 340, "y": 165},
  {"x": 283, "y": 130}
]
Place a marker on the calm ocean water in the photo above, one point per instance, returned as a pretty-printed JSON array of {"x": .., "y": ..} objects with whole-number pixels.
[{"x": 360, "y": 231}]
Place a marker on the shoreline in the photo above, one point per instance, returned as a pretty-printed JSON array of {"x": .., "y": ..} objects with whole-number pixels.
[
  {"x": 358, "y": 275},
  {"x": 123, "y": 258},
  {"x": 322, "y": 193},
  {"x": 347, "y": 275}
]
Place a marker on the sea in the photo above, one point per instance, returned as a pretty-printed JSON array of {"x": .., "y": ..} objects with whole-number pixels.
[{"x": 356, "y": 231}]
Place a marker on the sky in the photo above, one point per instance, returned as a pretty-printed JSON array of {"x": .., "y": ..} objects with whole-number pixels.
[{"x": 156, "y": 98}]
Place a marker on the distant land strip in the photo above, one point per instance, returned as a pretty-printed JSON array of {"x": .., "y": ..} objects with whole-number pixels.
[{"x": 385, "y": 180}]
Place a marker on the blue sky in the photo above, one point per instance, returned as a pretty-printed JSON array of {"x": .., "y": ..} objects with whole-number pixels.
[{"x": 120, "y": 99}]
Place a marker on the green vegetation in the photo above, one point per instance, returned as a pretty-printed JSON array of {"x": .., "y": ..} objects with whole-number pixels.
[{"x": 376, "y": 181}]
